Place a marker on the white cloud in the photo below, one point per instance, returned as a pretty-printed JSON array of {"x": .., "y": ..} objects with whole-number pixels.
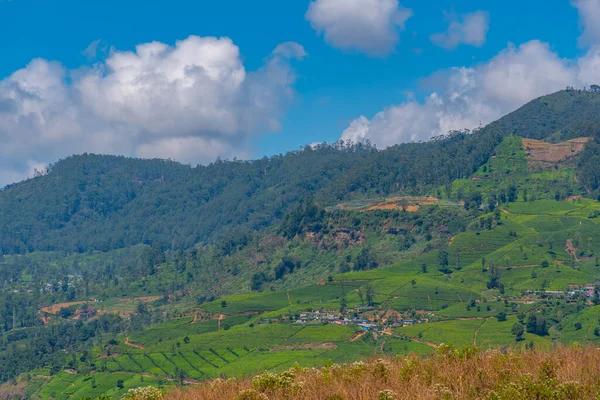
[
  {"x": 589, "y": 67},
  {"x": 91, "y": 51},
  {"x": 468, "y": 29},
  {"x": 369, "y": 26},
  {"x": 290, "y": 50},
  {"x": 192, "y": 102},
  {"x": 468, "y": 97},
  {"x": 589, "y": 15},
  {"x": 189, "y": 149}
]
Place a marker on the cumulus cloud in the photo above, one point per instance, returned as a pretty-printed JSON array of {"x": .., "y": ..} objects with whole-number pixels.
[
  {"x": 468, "y": 97},
  {"x": 369, "y": 26},
  {"x": 468, "y": 29},
  {"x": 192, "y": 102},
  {"x": 589, "y": 15}
]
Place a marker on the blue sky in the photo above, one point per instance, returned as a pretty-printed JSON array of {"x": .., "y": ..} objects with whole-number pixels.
[{"x": 353, "y": 90}]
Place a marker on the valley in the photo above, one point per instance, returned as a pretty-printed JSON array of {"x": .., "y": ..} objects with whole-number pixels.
[{"x": 483, "y": 240}]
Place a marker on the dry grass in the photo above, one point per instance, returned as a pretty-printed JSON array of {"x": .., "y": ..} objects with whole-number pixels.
[{"x": 565, "y": 373}]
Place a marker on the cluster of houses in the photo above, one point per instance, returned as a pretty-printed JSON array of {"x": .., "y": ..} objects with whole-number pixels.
[
  {"x": 330, "y": 317},
  {"x": 70, "y": 280},
  {"x": 574, "y": 292},
  {"x": 588, "y": 290}
]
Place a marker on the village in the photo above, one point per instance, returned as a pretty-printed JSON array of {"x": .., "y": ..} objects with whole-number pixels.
[
  {"x": 373, "y": 319},
  {"x": 384, "y": 322},
  {"x": 367, "y": 318},
  {"x": 588, "y": 292}
]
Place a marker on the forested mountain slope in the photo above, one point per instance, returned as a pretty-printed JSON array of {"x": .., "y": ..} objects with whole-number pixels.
[
  {"x": 95, "y": 202},
  {"x": 121, "y": 272}
]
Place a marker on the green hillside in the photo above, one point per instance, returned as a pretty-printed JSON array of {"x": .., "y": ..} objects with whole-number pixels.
[
  {"x": 118, "y": 273},
  {"x": 408, "y": 307}
]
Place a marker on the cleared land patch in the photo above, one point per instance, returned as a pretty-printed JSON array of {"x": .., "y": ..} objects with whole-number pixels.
[{"x": 544, "y": 155}]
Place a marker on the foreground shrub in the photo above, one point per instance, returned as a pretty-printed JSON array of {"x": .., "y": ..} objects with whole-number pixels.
[
  {"x": 547, "y": 389},
  {"x": 387, "y": 395},
  {"x": 144, "y": 393}
]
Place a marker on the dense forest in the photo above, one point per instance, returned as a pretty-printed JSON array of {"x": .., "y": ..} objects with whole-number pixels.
[{"x": 95, "y": 202}]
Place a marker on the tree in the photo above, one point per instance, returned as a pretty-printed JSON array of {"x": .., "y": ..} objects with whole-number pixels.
[
  {"x": 120, "y": 384},
  {"x": 518, "y": 331},
  {"x": 530, "y": 345},
  {"x": 361, "y": 296},
  {"x": 512, "y": 194},
  {"x": 531, "y": 323},
  {"x": 473, "y": 200},
  {"x": 142, "y": 308},
  {"x": 501, "y": 316},
  {"x": 537, "y": 325},
  {"x": 577, "y": 325},
  {"x": 258, "y": 280},
  {"x": 443, "y": 258},
  {"x": 424, "y": 268},
  {"x": 494, "y": 280},
  {"x": 365, "y": 260},
  {"x": 370, "y": 295},
  {"x": 343, "y": 304},
  {"x": 180, "y": 374},
  {"x": 224, "y": 303},
  {"x": 492, "y": 202},
  {"x": 344, "y": 267}
]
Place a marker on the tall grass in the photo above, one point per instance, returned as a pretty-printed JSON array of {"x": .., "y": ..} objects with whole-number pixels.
[{"x": 469, "y": 373}]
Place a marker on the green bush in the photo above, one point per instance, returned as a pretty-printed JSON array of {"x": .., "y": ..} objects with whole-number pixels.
[{"x": 144, "y": 393}]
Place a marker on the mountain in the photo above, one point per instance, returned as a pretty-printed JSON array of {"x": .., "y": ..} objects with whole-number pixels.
[
  {"x": 564, "y": 115},
  {"x": 119, "y": 273},
  {"x": 94, "y": 202}
]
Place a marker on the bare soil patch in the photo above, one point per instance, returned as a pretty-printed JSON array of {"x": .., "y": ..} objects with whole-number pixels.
[
  {"x": 137, "y": 345},
  {"x": 54, "y": 308},
  {"x": 9, "y": 390},
  {"x": 357, "y": 336},
  {"x": 570, "y": 248},
  {"x": 544, "y": 155}
]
